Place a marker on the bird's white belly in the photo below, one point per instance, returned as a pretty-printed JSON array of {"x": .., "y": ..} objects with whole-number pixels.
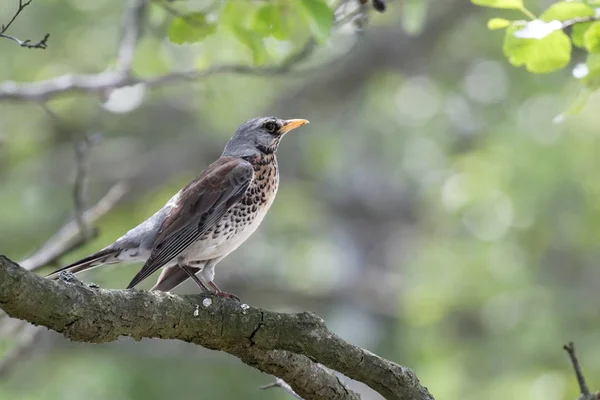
[
  {"x": 217, "y": 246},
  {"x": 240, "y": 221}
]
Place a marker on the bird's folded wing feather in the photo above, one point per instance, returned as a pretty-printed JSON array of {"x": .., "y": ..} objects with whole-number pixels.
[{"x": 201, "y": 204}]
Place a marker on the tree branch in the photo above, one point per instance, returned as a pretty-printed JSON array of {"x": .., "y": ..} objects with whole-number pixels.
[
  {"x": 583, "y": 387},
  {"x": 99, "y": 83},
  {"x": 42, "y": 44},
  {"x": 310, "y": 379},
  {"x": 132, "y": 30},
  {"x": 263, "y": 339}
]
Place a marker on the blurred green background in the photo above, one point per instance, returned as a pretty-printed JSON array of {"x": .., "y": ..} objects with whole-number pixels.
[{"x": 432, "y": 212}]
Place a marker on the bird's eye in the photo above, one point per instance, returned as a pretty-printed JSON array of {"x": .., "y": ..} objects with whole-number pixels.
[{"x": 271, "y": 127}]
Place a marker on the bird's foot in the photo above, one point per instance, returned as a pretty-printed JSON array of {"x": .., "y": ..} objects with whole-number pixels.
[
  {"x": 227, "y": 295},
  {"x": 219, "y": 293}
]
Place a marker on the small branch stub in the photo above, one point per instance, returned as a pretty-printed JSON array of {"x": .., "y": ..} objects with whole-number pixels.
[
  {"x": 280, "y": 383},
  {"x": 585, "y": 391}
]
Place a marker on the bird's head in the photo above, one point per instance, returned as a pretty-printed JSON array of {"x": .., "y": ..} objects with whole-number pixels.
[{"x": 260, "y": 134}]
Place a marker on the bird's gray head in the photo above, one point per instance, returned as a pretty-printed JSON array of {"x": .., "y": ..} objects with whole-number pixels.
[{"x": 260, "y": 135}]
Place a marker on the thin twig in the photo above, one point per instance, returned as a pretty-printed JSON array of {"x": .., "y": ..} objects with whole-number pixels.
[
  {"x": 42, "y": 44},
  {"x": 82, "y": 162},
  {"x": 83, "y": 147},
  {"x": 360, "y": 10},
  {"x": 68, "y": 238},
  {"x": 27, "y": 341},
  {"x": 21, "y": 8},
  {"x": 579, "y": 20},
  {"x": 280, "y": 383},
  {"x": 585, "y": 391},
  {"x": 133, "y": 27}
]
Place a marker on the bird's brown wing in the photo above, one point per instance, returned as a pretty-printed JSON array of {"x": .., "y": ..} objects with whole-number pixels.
[{"x": 201, "y": 204}]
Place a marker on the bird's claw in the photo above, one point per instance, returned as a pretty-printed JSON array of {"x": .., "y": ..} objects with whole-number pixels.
[
  {"x": 228, "y": 296},
  {"x": 218, "y": 292}
]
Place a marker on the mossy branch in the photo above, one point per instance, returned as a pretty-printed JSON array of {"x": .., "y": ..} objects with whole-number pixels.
[{"x": 289, "y": 346}]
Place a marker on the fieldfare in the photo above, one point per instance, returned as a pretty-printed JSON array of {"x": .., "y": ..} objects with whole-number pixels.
[{"x": 209, "y": 218}]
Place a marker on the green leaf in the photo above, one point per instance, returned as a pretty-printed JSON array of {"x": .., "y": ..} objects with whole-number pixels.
[
  {"x": 514, "y": 4},
  {"x": 269, "y": 22},
  {"x": 578, "y": 32},
  {"x": 320, "y": 18},
  {"x": 240, "y": 16},
  {"x": 254, "y": 42},
  {"x": 591, "y": 38},
  {"x": 237, "y": 13},
  {"x": 563, "y": 11},
  {"x": 413, "y": 15},
  {"x": 498, "y": 23},
  {"x": 551, "y": 53},
  {"x": 190, "y": 28}
]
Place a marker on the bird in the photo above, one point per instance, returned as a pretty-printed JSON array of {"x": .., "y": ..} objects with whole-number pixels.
[{"x": 207, "y": 219}]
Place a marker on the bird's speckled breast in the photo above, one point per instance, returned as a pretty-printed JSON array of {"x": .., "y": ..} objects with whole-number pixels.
[{"x": 242, "y": 219}]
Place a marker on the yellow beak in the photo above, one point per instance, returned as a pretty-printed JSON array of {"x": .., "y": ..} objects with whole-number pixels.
[{"x": 291, "y": 124}]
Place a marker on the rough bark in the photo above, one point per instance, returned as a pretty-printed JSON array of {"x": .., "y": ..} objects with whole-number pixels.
[{"x": 285, "y": 345}]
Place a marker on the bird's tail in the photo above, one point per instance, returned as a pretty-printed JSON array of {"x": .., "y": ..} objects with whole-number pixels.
[
  {"x": 171, "y": 278},
  {"x": 92, "y": 261}
]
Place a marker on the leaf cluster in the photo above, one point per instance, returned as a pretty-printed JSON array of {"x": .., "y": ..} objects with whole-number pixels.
[
  {"x": 252, "y": 23},
  {"x": 546, "y": 42}
]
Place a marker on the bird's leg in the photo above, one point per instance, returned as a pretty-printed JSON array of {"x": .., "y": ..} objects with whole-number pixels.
[
  {"x": 194, "y": 277},
  {"x": 208, "y": 275},
  {"x": 216, "y": 291},
  {"x": 220, "y": 293}
]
